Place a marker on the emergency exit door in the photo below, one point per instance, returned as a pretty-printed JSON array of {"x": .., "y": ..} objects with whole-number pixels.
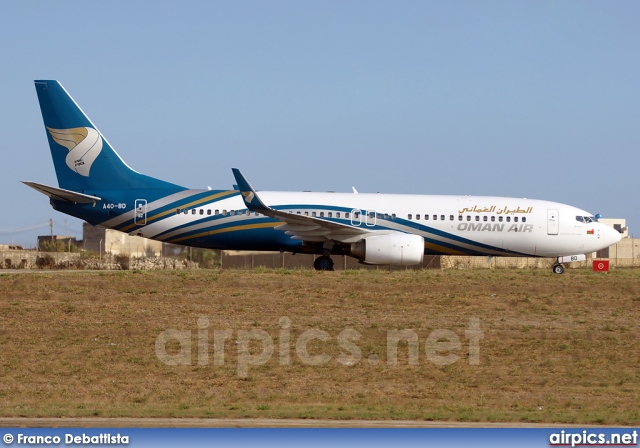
[
  {"x": 140, "y": 217},
  {"x": 553, "y": 222}
]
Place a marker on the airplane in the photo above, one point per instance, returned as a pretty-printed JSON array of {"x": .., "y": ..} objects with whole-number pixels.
[{"x": 96, "y": 185}]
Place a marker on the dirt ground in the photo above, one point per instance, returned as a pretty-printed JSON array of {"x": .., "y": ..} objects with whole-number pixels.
[{"x": 462, "y": 346}]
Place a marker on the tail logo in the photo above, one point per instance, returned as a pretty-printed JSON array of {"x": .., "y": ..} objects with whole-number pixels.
[
  {"x": 248, "y": 196},
  {"x": 84, "y": 145}
]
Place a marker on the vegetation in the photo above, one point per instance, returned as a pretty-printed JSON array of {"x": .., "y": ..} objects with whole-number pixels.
[
  {"x": 57, "y": 246},
  {"x": 555, "y": 349},
  {"x": 206, "y": 258}
]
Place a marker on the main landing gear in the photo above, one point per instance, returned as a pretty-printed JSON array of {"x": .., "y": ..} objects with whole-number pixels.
[
  {"x": 323, "y": 263},
  {"x": 558, "y": 268}
]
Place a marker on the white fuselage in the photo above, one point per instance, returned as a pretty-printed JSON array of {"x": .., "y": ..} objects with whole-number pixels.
[{"x": 476, "y": 225}]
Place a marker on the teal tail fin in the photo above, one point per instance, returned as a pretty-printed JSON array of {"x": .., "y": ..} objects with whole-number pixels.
[{"x": 83, "y": 158}]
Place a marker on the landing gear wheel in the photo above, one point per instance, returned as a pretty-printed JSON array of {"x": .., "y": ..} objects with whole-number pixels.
[
  {"x": 558, "y": 269},
  {"x": 324, "y": 263}
]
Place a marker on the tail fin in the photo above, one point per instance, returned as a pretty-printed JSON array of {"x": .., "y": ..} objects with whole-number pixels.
[{"x": 83, "y": 158}]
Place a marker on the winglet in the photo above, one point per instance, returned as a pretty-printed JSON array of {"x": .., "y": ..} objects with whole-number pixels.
[{"x": 249, "y": 195}]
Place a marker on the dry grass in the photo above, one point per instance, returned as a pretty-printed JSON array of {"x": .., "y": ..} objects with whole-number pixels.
[{"x": 555, "y": 348}]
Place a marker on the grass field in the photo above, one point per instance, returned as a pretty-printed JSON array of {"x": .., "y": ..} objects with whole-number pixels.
[{"x": 553, "y": 348}]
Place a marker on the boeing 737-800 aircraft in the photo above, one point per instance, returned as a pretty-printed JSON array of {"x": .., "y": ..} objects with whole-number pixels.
[{"x": 96, "y": 185}]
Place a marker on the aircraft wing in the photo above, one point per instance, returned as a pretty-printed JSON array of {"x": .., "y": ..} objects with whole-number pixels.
[
  {"x": 61, "y": 194},
  {"x": 300, "y": 227}
]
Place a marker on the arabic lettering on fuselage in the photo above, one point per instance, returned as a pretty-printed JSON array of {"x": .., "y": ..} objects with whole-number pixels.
[{"x": 494, "y": 209}]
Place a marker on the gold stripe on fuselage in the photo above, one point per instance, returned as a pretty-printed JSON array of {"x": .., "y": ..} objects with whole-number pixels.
[
  {"x": 228, "y": 229},
  {"x": 190, "y": 204}
]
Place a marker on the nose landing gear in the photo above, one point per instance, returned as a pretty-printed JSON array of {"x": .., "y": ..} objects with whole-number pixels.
[{"x": 558, "y": 268}]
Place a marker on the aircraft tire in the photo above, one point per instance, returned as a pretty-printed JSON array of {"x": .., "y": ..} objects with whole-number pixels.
[
  {"x": 558, "y": 269},
  {"x": 323, "y": 263}
]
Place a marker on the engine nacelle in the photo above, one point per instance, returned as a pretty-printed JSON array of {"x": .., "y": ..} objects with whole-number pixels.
[{"x": 393, "y": 248}]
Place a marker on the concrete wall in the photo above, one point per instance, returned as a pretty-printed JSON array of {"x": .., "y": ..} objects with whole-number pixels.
[
  {"x": 100, "y": 240},
  {"x": 26, "y": 259}
]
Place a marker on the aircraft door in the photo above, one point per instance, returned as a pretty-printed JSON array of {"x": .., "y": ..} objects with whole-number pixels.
[
  {"x": 140, "y": 216},
  {"x": 553, "y": 222}
]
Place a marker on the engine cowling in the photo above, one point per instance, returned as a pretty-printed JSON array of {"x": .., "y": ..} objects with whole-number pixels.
[{"x": 393, "y": 248}]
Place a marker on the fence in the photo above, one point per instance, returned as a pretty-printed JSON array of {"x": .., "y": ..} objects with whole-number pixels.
[{"x": 31, "y": 259}]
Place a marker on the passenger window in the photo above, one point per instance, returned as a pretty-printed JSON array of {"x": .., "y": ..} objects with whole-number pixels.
[
  {"x": 313, "y": 214},
  {"x": 298, "y": 212},
  {"x": 224, "y": 213},
  {"x": 441, "y": 217},
  {"x": 477, "y": 218},
  {"x": 500, "y": 218},
  {"x": 459, "y": 217},
  {"x": 356, "y": 215},
  {"x": 193, "y": 211},
  {"x": 393, "y": 216},
  {"x": 386, "y": 216},
  {"x": 329, "y": 215},
  {"x": 202, "y": 211},
  {"x": 468, "y": 217},
  {"x": 450, "y": 217},
  {"x": 185, "y": 211},
  {"x": 346, "y": 215},
  {"x": 515, "y": 219},
  {"x": 306, "y": 213},
  {"x": 338, "y": 215},
  {"x": 508, "y": 218},
  {"x": 493, "y": 219},
  {"x": 322, "y": 214},
  {"x": 417, "y": 217},
  {"x": 409, "y": 216},
  {"x": 435, "y": 217},
  {"x": 248, "y": 213},
  {"x": 216, "y": 212},
  {"x": 484, "y": 218},
  {"x": 524, "y": 219},
  {"x": 177, "y": 211}
]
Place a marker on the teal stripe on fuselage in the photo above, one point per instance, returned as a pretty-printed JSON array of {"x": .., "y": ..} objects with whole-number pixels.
[
  {"x": 421, "y": 228},
  {"x": 424, "y": 230},
  {"x": 179, "y": 204},
  {"x": 214, "y": 225}
]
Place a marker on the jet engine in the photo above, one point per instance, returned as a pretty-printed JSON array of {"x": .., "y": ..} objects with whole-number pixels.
[{"x": 392, "y": 248}]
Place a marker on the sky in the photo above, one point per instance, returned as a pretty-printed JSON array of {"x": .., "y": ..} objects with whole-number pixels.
[{"x": 536, "y": 99}]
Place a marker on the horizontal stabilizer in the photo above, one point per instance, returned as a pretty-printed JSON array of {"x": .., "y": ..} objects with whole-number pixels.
[{"x": 62, "y": 195}]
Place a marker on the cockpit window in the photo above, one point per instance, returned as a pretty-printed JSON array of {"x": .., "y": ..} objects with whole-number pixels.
[
  {"x": 579, "y": 218},
  {"x": 586, "y": 219}
]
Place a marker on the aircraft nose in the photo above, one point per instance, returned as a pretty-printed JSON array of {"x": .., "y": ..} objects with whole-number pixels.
[{"x": 609, "y": 235}]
